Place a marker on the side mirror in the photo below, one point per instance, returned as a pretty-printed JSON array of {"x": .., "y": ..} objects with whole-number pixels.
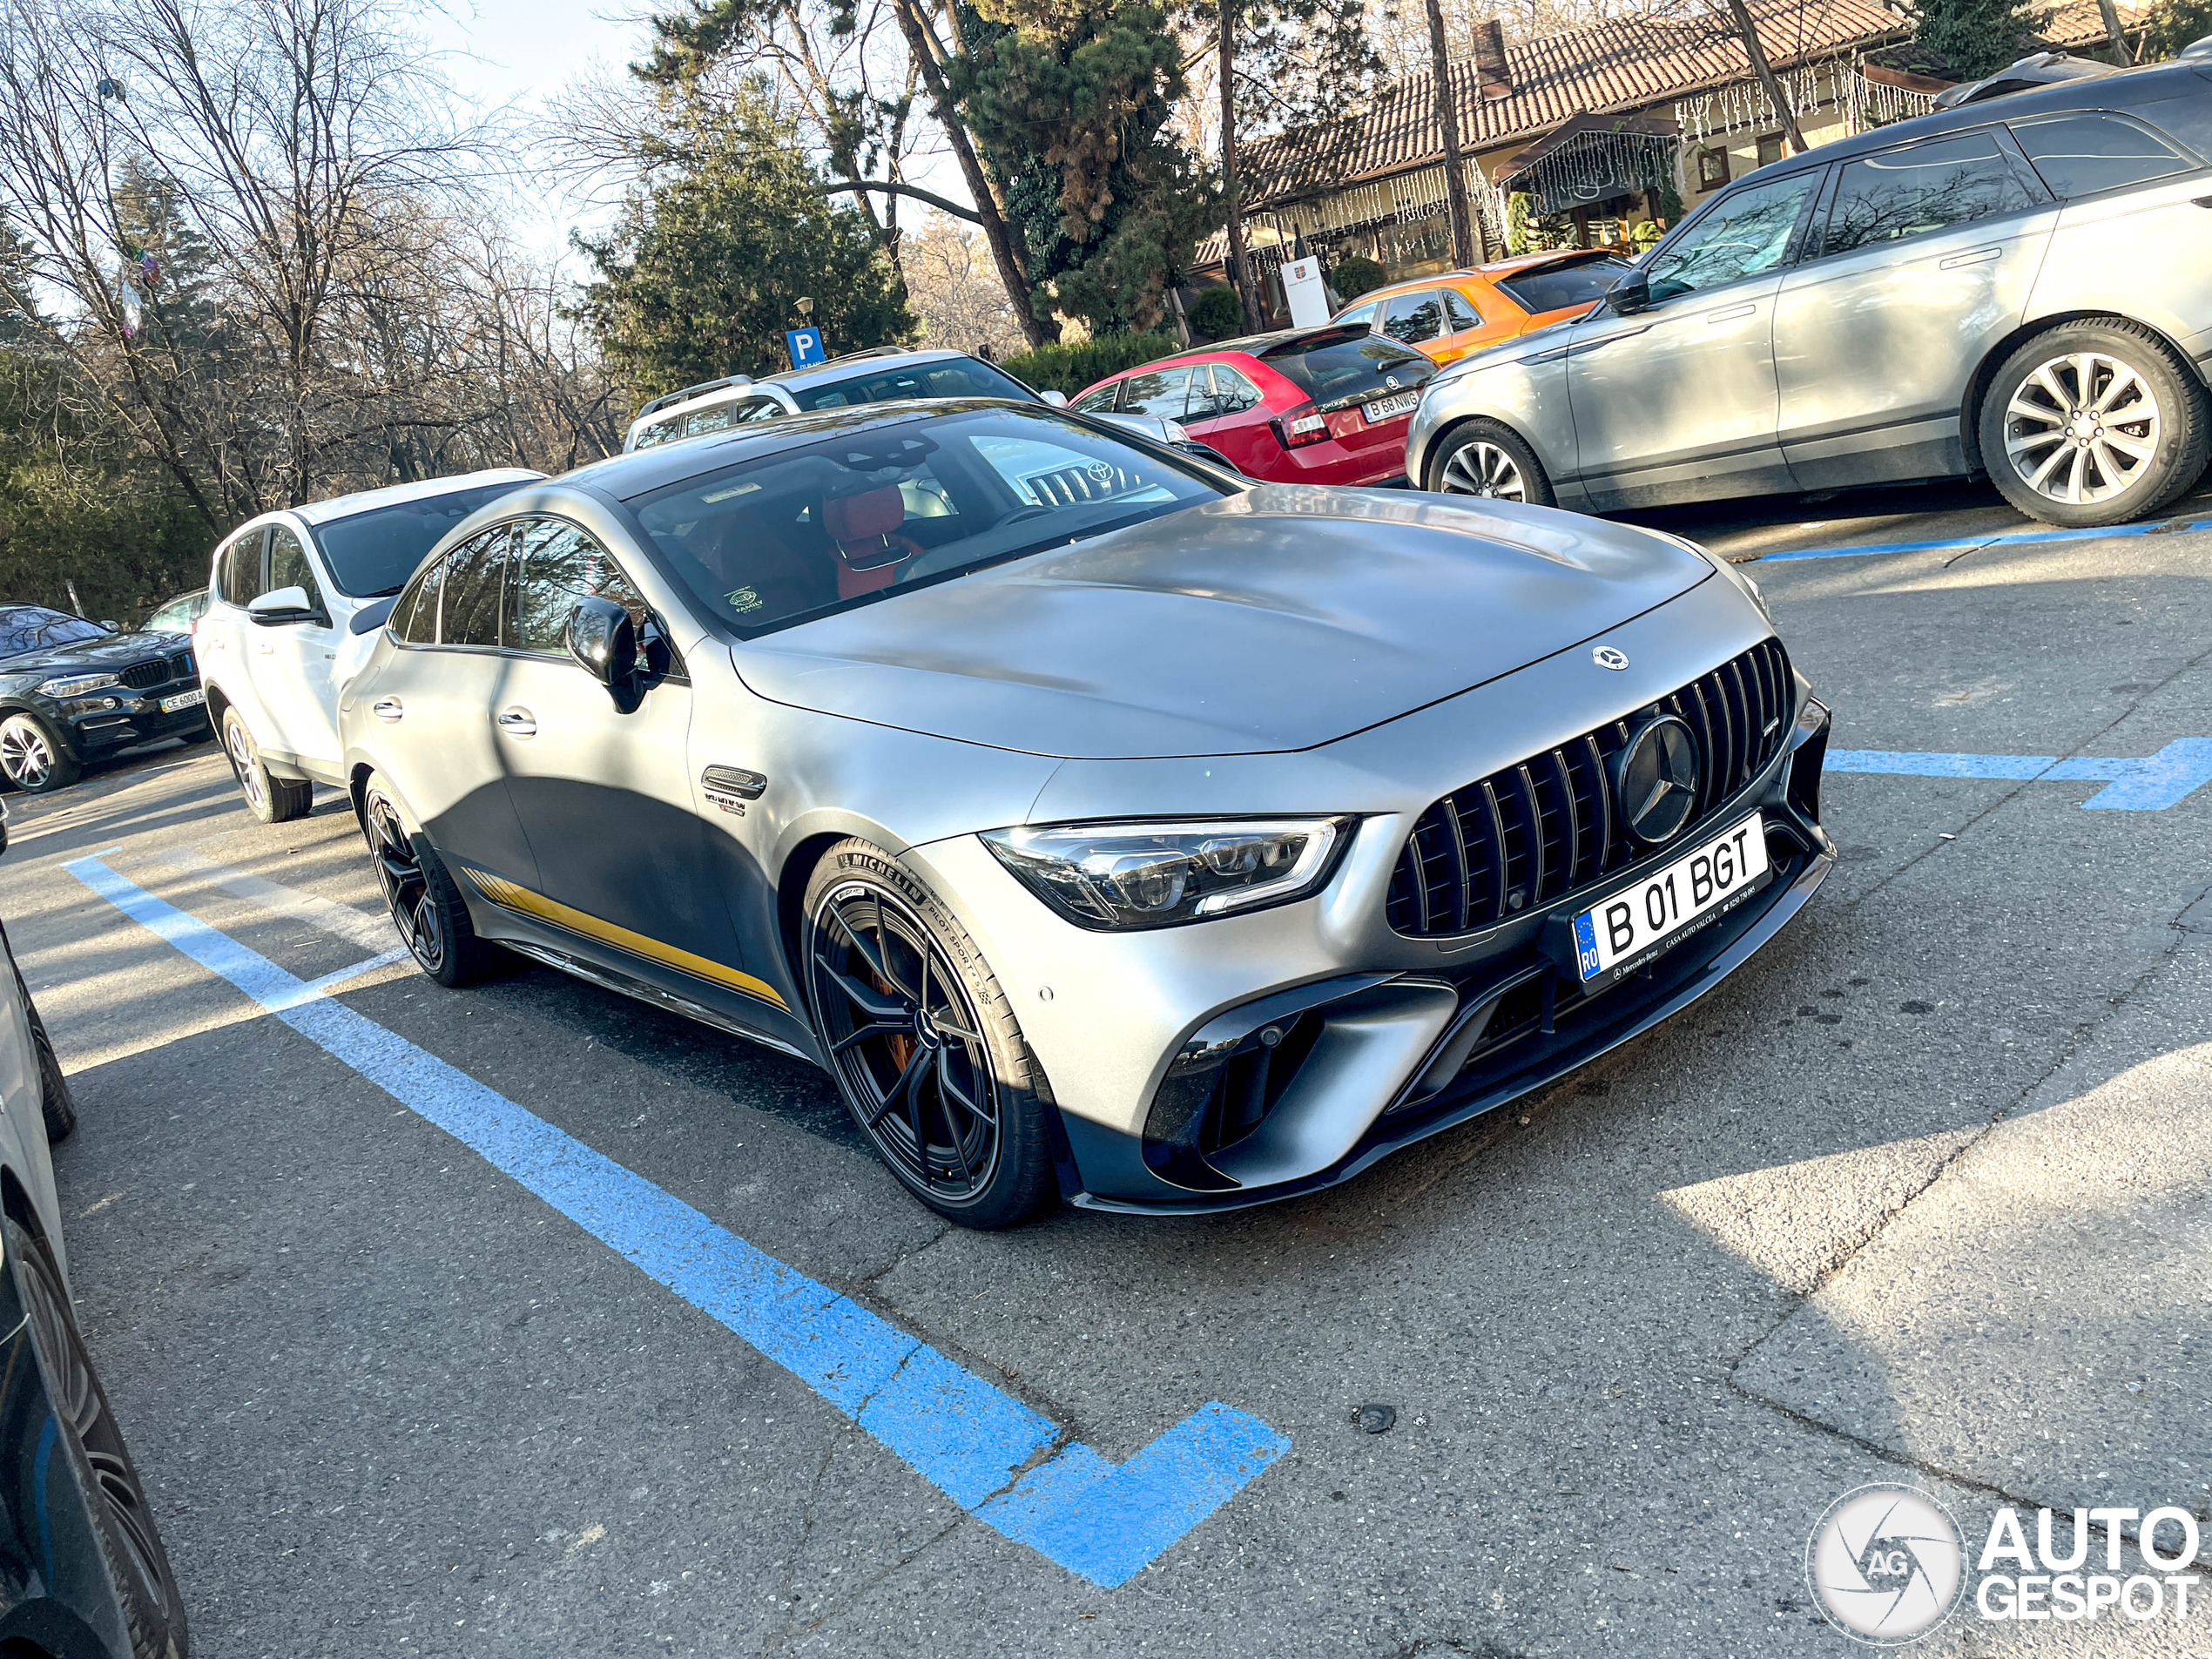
[
  {"x": 111, "y": 625},
  {"x": 603, "y": 638},
  {"x": 1631, "y": 293},
  {"x": 1058, "y": 399},
  {"x": 281, "y": 606}
]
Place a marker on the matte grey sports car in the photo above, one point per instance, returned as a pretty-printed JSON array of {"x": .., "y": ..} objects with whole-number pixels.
[{"x": 1107, "y": 826}]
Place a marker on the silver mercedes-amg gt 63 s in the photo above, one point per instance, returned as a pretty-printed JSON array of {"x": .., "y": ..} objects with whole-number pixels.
[{"x": 1110, "y": 828}]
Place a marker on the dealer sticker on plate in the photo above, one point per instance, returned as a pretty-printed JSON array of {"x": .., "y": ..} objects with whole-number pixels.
[
  {"x": 183, "y": 700},
  {"x": 1670, "y": 898},
  {"x": 1385, "y": 408}
]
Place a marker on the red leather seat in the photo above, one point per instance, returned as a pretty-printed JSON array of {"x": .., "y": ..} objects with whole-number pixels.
[{"x": 865, "y": 527}]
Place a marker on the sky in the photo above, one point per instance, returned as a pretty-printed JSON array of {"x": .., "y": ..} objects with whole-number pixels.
[{"x": 521, "y": 51}]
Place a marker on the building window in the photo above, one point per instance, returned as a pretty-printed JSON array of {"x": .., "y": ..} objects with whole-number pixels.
[
  {"x": 1712, "y": 169},
  {"x": 1769, "y": 148}
]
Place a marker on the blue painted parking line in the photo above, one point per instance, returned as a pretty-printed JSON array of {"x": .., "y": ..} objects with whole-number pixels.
[
  {"x": 2149, "y": 784},
  {"x": 984, "y": 1449},
  {"x": 2020, "y": 538}
]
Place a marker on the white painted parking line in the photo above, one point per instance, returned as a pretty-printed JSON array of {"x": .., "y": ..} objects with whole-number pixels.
[
  {"x": 1009, "y": 1465},
  {"x": 343, "y": 921}
]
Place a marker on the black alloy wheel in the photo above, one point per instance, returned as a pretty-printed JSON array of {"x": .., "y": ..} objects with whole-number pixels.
[
  {"x": 928, "y": 1055},
  {"x": 427, "y": 908},
  {"x": 407, "y": 889},
  {"x": 114, "y": 1495},
  {"x": 906, "y": 1042}
]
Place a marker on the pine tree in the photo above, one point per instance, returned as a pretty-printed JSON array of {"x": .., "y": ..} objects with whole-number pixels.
[
  {"x": 1978, "y": 38},
  {"x": 701, "y": 276}
]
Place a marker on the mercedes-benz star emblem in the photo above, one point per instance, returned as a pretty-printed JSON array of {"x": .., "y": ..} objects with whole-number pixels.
[
  {"x": 1607, "y": 656},
  {"x": 1390, "y": 382},
  {"x": 1658, "y": 779}
]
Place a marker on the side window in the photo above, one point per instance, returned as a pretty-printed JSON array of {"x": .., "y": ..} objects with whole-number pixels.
[
  {"x": 289, "y": 566},
  {"x": 754, "y": 409},
  {"x": 414, "y": 616},
  {"x": 1235, "y": 393},
  {"x": 1163, "y": 391},
  {"x": 1740, "y": 234},
  {"x": 1358, "y": 314},
  {"x": 2085, "y": 151},
  {"x": 1413, "y": 318},
  {"x": 1098, "y": 402},
  {"x": 1459, "y": 311},
  {"x": 556, "y": 564},
  {"x": 659, "y": 433},
  {"x": 476, "y": 581},
  {"x": 1921, "y": 189},
  {"x": 242, "y": 581}
]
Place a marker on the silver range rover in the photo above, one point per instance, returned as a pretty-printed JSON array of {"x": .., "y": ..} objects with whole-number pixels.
[
  {"x": 2021, "y": 287},
  {"x": 1109, "y": 828}
]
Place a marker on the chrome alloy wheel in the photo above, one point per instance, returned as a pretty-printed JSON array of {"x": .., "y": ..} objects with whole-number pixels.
[
  {"x": 247, "y": 764},
  {"x": 906, "y": 1042},
  {"x": 25, "y": 756},
  {"x": 2081, "y": 427},
  {"x": 407, "y": 889},
  {"x": 1480, "y": 468}
]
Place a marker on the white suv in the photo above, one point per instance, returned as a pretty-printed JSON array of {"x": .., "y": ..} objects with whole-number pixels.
[
  {"x": 882, "y": 375},
  {"x": 293, "y": 599}
]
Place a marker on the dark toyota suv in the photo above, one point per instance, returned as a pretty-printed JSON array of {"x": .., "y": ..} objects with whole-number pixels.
[
  {"x": 71, "y": 691},
  {"x": 2021, "y": 286}
]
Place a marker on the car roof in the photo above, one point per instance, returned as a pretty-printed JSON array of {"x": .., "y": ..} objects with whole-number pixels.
[
  {"x": 1512, "y": 265},
  {"x": 641, "y": 472},
  {"x": 324, "y": 512},
  {"x": 2121, "y": 90},
  {"x": 829, "y": 373}
]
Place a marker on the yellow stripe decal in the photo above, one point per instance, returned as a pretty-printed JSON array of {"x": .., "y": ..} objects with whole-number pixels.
[{"x": 508, "y": 896}]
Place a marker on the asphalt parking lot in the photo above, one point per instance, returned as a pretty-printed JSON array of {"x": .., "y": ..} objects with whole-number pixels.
[{"x": 1919, "y": 1193}]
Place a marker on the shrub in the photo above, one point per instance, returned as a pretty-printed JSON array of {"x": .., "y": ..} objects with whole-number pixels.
[
  {"x": 1054, "y": 367},
  {"x": 1356, "y": 276},
  {"x": 1216, "y": 314}
]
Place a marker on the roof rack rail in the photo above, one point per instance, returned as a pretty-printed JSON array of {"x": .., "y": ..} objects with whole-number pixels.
[
  {"x": 872, "y": 351},
  {"x": 690, "y": 392}
]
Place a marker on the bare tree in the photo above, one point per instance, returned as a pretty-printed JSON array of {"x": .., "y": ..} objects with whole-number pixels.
[{"x": 222, "y": 193}]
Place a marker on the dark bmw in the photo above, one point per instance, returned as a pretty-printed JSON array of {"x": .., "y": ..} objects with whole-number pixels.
[{"x": 72, "y": 691}]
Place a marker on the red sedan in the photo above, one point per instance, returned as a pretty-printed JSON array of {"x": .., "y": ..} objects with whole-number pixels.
[{"x": 1324, "y": 406}]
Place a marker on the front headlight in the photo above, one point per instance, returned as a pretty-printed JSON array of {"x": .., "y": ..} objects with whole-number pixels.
[
  {"x": 78, "y": 685},
  {"x": 1122, "y": 876}
]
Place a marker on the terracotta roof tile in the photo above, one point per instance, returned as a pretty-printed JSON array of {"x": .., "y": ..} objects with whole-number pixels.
[{"x": 1628, "y": 64}]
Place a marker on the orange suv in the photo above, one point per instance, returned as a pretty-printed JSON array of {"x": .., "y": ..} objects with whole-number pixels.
[{"x": 1447, "y": 316}]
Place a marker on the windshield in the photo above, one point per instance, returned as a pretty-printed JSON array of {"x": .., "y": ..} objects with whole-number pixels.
[
  {"x": 950, "y": 377},
  {"x": 1558, "y": 286},
  {"x": 855, "y": 514},
  {"x": 34, "y": 628},
  {"x": 374, "y": 553},
  {"x": 1346, "y": 363}
]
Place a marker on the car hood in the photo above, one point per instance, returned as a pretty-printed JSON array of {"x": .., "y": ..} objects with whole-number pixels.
[
  {"x": 107, "y": 653},
  {"x": 1278, "y": 618}
]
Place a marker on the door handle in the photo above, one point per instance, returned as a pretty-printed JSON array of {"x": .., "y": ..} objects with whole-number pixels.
[
  {"x": 518, "y": 723},
  {"x": 1729, "y": 313},
  {"x": 1979, "y": 256},
  {"x": 387, "y": 709}
]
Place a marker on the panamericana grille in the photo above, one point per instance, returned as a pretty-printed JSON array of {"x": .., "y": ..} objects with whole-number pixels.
[
  {"x": 139, "y": 676},
  {"x": 1527, "y": 836}
]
